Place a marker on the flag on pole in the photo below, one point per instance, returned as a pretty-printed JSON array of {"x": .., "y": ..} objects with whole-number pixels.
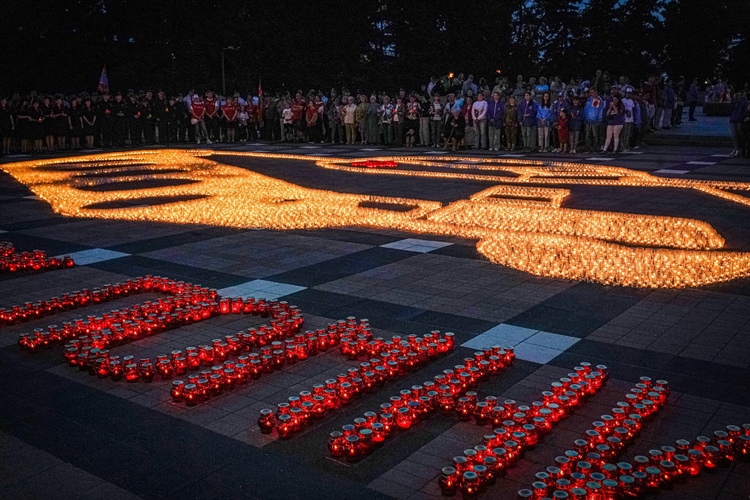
[
  {"x": 260, "y": 89},
  {"x": 103, "y": 86}
]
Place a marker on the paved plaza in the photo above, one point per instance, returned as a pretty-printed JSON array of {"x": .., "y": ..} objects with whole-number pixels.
[{"x": 67, "y": 434}]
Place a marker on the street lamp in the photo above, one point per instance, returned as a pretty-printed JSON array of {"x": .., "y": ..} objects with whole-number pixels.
[{"x": 223, "y": 74}]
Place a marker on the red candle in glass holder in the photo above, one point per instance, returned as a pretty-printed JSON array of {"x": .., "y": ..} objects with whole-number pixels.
[
  {"x": 266, "y": 421},
  {"x": 448, "y": 481},
  {"x": 284, "y": 426},
  {"x": 178, "y": 391}
]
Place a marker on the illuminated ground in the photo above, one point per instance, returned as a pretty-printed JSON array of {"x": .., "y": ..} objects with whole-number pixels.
[{"x": 63, "y": 429}]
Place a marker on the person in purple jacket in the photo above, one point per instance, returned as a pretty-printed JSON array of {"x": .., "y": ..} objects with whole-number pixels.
[
  {"x": 615, "y": 121},
  {"x": 495, "y": 112},
  {"x": 527, "y": 119}
]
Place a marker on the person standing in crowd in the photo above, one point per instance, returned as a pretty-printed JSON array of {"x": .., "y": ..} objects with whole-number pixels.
[
  {"x": 60, "y": 115},
  {"x": 149, "y": 120},
  {"x": 105, "y": 121},
  {"x": 349, "y": 117},
  {"x": 89, "y": 116},
  {"x": 360, "y": 119},
  {"x": 692, "y": 98},
  {"x": 479, "y": 117},
  {"x": 134, "y": 114},
  {"x": 173, "y": 120},
  {"x": 544, "y": 122},
  {"x": 615, "y": 122},
  {"x": 510, "y": 117},
  {"x": 680, "y": 93},
  {"x": 48, "y": 124},
  {"x": 198, "y": 120},
  {"x": 75, "y": 124},
  {"x": 335, "y": 123},
  {"x": 373, "y": 125},
  {"x": 745, "y": 132},
  {"x": 527, "y": 112},
  {"x": 211, "y": 119},
  {"x": 736, "y": 118},
  {"x": 424, "y": 120},
  {"x": 558, "y": 105},
  {"x": 575, "y": 123},
  {"x": 230, "y": 115},
  {"x": 593, "y": 113},
  {"x": 399, "y": 116},
  {"x": 385, "y": 113},
  {"x": 436, "y": 120},
  {"x": 495, "y": 111},
  {"x": 413, "y": 111},
  {"x": 119, "y": 123},
  {"x": 312, "y": 121},
  {"x": 563, "y": 135},
  {"x": 288, "y": 121},
  {"x": 161, "y": 112},
  {"x": 7, "y": 126},
  {"x": 628, "y": 105}
]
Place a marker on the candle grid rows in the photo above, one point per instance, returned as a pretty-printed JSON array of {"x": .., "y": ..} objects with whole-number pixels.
[
  {"x": 12, "y": 261},
  {"x": 384, "y": 360},
  {"x": 448, "y": 392},
  {"x": 520, "y": 430},
  {"x": 581, "y": 470}
]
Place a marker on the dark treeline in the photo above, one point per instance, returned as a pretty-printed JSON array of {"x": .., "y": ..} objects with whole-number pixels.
[{"x": 367, "y": 44}]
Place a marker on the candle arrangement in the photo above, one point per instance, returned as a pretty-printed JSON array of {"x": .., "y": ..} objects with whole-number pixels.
[
  {"x": 106, "y": 293},
  {"x": 382, "y": 360},
  {"x": 449, "y": 393},
  {"x": 517, "y": 428},
  {"x": 588, "y": 470},
  {"x": 660, "y": 469},
  {"x": 513, "y": 226},
  {"x": 374, "y": 164},
  {"x": 36, "y": 260}
]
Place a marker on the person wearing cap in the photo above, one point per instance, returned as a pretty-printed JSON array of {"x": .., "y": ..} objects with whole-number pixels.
[{"x": 627, "y": 129}]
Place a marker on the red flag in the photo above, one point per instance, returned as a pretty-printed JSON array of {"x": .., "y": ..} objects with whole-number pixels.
[
  {"x": 260, "y": 89},
  {"x": 103, "y": 86}
]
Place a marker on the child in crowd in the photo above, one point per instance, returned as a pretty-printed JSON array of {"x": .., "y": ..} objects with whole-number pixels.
[{"x": 562, "y": 131}]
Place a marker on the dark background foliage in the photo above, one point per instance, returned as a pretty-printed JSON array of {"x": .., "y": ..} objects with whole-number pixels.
[{"x": 362, "y": 44}]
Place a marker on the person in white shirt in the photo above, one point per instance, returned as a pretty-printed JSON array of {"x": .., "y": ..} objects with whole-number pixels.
[
  {"x": 628, "y": 105},
  {"x": 349, "y": 120},
  {"x": 479, "y": 113}
]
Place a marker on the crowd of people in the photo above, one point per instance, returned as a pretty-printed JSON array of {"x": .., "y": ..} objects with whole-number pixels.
[{"x": 451, "y": 112}]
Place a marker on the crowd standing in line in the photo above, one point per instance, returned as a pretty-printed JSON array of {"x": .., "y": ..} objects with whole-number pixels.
[{"x": 597, "y": 115}]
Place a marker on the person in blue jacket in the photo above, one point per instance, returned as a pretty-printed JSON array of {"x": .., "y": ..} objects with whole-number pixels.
[
  {"x": 593, "y": 114},
  {"x": 527, "y": 112},
  {"x": 544, "y": 122}
]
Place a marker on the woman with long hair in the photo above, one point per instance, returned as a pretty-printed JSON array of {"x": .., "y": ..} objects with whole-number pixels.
[
  {"x": 61, "y": 122},
  {"x": 544, "y": 122},
  {"x": 615, "y": 122},
  {"x": 88, "y": 114}
]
